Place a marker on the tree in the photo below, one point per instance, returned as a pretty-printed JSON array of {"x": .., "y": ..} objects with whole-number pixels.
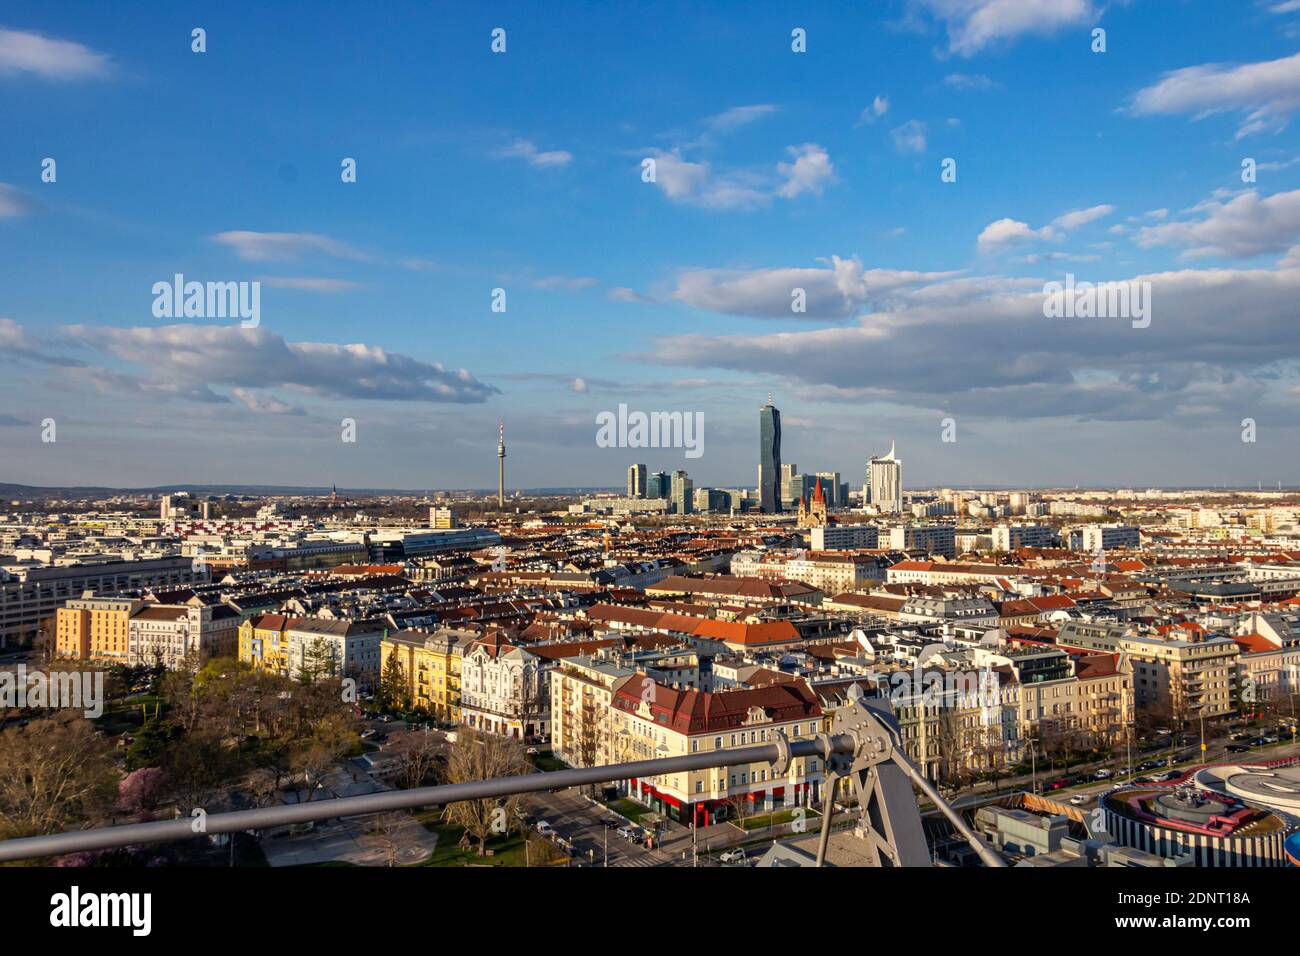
[
  {"x": 392, "y": 686},
  {"x": 418, "y": 756},
  {"x": 386, "y": 829},
  {"x": 317, "y": 662},
  {"x": 481, "y": 756},
  {"x": 55, "y": 774},
  {"x": 142, "y": 790}
]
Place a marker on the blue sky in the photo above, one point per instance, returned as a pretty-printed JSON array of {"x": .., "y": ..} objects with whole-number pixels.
[{"x": 775, "y": 170}]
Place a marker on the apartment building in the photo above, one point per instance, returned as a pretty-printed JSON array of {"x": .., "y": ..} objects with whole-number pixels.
[
  {"x": 1184, "y": 673},
  {"x": 96, "y": 629},
  {"x": 170, "y": 634},
  {"x": 827, "y": 571},
  {"x": 648, "y": 719},
  {"x": 335, "y": 648},
  {"x": 431, "y": 667},
  {"x": 263, "y": 643},
  {"x": 504, "y": 690}
]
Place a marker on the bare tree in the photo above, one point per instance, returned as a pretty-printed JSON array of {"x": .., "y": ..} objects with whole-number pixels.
[
  {"x": 386, "y": 829},
  {"x": 55, "y": 774},
  {"x": 418, "y": 756},
  {"x": 480, "y": 756}
]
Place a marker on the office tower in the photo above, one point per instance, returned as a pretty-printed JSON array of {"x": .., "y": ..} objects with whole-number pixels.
[
  {"x": 683, "y": 493},
  {"x": 658, "y": 486},
  {"x": 636, "y": 478},
  {"x": 885, "y": 482},
  {"x": 830, "y": 482},
  {"x": 769, "y": 458},
  {"x": 501, "y": 464}
]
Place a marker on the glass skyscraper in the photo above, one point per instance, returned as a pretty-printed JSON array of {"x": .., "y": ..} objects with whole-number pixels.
[{"x": 769, "y": 458}]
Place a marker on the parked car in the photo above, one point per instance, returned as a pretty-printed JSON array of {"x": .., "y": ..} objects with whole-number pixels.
[
  {"x": 544, "y": 828},
  {"x": 732, "y": 856},
  {"x": 1102, "y": 774},
  {"x": 531, "y": 751},
  {"x": 1238, "y": 749}
]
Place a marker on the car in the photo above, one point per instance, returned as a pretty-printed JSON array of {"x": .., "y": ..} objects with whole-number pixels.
[
  {"x": 1163, "y": 731},
  {"x": 1148, "y": 765},
  {"x": 544, "y": 828},
  {"x": 452, "y": 737},
  {"x": 1259, "y": 741},
  {"x": 732, "y": 856},
  {"x": 1102, "y": 774},
  {"x": 631, "y": 833},
  {"x": 1237, "y": 749},
  {"x": 1078, "y": 800},
  {"x": 367, "y": 734},
  {"x": 531, "y": 751},
  {"x": 1147, "y": 780}
]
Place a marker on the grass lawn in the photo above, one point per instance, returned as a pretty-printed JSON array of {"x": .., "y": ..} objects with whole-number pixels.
[
  {"x": 547, "y": 763},
  {"x": 630, "y": 809},
  {"x": 507, "y": 850},
  {"x": 763, "y": 820}
]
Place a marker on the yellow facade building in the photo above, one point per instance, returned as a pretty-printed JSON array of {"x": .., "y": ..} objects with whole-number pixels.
[
  {"x": 263, "y": 643},
  {"x": 95, "y": 629},
  {"x": 431, "y": 667}
]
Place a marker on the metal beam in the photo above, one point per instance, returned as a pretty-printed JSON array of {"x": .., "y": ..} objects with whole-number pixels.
[{"x": 183, "y": 828}]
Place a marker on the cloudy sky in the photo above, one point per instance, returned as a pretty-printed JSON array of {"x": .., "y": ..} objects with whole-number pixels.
[{"x": 774, "y": 171}]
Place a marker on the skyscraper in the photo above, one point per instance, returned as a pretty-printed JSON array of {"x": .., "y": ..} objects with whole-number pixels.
[
  {"x": 657, "y": 485},
  {"x": 683, "y": 499},
  {"x": 885, "y": 482},
  {"x": 636, "y": 477},
  {"x": 769, "y": 458}
]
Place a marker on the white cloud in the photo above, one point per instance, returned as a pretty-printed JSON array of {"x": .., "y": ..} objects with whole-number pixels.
[
  {"x": 879, "y": 107},
  {"x": 264, "y": 403},
  {"x": 50, "y": 59},
  {"x": 1245, "y": 225},
  {"x": 624, "y": 294},
  {"x": 1081, "y": 217},
  {"x": 307, "y": 284},
  {"x": 191, "y": 359},
  {"x": 974, "y": 24},
  {"x": 1007, "y": 361},
  {"x": 977, "y": 82},
  {"x": 269, "y": 246},
  {"x": 810, "y": 172},
  {"x": 526, "y": 150},
  {"x": 1268, "y": 92},
  {"x": 738, "y": 116},
  {"x": 910, "y": 137},
  {"x": 836, "y": 292},
  {"x": 12, "y": 202},
  {"x": 1005, "y": 232}
]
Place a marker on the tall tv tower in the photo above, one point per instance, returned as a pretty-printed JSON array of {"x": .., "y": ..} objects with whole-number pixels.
[{"x": 501, "y": 463}]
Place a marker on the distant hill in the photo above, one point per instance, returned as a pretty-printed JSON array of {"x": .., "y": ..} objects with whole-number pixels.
[{"x": 8, "y": 491}]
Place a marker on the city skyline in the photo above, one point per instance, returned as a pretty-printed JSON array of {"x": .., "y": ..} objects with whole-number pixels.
[{"x": 819, "y": 171}]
